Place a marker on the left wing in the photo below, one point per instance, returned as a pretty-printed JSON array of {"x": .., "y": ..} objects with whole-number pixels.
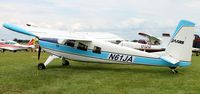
[{"x": 62, "y": 35}]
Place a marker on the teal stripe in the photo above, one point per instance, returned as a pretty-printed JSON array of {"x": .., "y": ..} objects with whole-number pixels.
[{"x": 71, "y": 50}]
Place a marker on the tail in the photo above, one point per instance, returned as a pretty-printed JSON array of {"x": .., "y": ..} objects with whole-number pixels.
[
  {"x": 31, "y": 42},
  {"x": 180, "y": 47},
  {"x": 165, "y": 40}
]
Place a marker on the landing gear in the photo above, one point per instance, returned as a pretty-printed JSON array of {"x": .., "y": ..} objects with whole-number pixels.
[
  {"x": 65, "y": 62},
  {"x": 41, "y": 66},
  {"x": 173, "y": 69},
  {"x": 3, "y": 50},
  {"x": 197, "y": 53},
  {"x": 49, "y": 59}
]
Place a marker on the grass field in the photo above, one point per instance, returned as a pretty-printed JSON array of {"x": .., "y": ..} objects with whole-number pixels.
[{"x": 19, "y": 74}]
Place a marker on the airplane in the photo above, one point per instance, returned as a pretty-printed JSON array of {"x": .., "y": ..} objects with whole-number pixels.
[
  {"x": 29, "y": 45},
  {"x": 81, "y": 47},
  {"x": 153, "y": 44},
  {"x": 196, "y": 45},
  {"x": 14, "y": 46}
]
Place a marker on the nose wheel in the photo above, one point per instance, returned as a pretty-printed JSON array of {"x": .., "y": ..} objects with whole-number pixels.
[{"x": 41, "y": 66}]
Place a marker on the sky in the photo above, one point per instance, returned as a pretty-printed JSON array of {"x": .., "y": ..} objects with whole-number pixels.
[{"x": 124, "y": 18}]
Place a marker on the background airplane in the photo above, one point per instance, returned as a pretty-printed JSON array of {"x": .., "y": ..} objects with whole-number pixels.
[
  {"x": 152, "y": 44},
  {"x": 81, "y": 47},
  {"x": 14, "y": 46},
  {"x": 196, "y": 45}
]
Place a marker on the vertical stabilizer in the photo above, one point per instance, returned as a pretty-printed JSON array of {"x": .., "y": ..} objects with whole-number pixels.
[{"x": 180, "y": 46}]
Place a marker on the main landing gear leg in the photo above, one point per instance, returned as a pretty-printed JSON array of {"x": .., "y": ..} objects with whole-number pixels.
[
  {"x": 65, "y": 62},
  {"x": 43, "y": 65},
  {"x": 173, "y": 69}
]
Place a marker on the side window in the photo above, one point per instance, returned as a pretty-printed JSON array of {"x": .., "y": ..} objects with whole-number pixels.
[
  {"x": 96, "y": 50},
  {"x": 82, "y": 46},
  {"x": 70, "y": 43}
]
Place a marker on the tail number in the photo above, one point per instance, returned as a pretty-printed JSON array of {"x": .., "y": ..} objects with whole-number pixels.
[
  {"x": 120, "y": 57},
  {"x": 177, "y": 41}
]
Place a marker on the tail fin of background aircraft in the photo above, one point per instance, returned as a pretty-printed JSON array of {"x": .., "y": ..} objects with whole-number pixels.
[
  {"x": 165, "y": 40},
  {"x": 31, "y": 42},
  {"x": 180, "y": 46}
]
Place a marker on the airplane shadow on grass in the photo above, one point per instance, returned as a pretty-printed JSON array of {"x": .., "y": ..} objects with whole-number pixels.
[{"x": 136, "y": 69}]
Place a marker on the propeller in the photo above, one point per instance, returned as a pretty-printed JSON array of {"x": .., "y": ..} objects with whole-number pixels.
[{"x": 39, "y": 52}]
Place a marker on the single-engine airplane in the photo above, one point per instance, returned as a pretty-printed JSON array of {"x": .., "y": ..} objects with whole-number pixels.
[
  {"x": 14, "y": 46},
  {"x": 152, "y": 44},
  {"x": 86, "y": 47}
]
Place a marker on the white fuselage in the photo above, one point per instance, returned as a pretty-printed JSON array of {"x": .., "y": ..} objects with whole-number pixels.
[{"x": 110, "y": 53}]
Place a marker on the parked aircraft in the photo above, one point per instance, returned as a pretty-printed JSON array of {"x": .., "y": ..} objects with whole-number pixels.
[
  {"x": 152, "y": 44},
  {"x": 14, "y": 46},
  {"x": 196, "y": 45},
  {"x": 87, "y": 47}
]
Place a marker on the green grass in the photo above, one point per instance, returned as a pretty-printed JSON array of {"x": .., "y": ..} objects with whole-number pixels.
[{"x": 19, "y": 75}]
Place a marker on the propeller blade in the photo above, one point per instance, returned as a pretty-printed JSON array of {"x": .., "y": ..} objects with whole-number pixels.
[{"x": 39, "y": 52}]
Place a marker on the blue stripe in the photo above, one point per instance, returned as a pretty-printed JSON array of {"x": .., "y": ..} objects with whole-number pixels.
[
  {"x": 159, "y": 62},
  {"x": 71, "y": 50},
  {"x": 183, "y": 23},
  {"x": 104, "y": 55}
]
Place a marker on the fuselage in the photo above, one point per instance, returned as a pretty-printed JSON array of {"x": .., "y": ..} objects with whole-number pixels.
[{"x": 103, "y": 52}]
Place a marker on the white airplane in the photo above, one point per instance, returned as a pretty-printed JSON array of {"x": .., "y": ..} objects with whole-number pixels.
[
  {"x": 14, "y": 46},
  {"x": 87, "y": 47},
  {"x": 30, "y": 44},
  {"x": 9, "y": 46},
  {"x": 152, "y": 44}
]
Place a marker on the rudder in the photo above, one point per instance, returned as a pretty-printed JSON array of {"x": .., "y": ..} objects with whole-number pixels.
[{"x": 180, "y": 46}]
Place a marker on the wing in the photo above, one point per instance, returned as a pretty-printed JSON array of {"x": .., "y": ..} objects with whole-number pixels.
[
  {"x": 62, "y": 35},
  {"x": 150, "y": 37}
]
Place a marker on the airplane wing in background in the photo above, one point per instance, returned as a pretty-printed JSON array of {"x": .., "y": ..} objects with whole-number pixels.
[{"x": 149, "y": 36}]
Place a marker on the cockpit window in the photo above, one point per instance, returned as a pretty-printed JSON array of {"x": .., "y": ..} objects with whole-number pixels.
[
  {"x": 70, "y": 43},
  {"x": 82, "y": 46},
  {"x": 96, "y": 50}
]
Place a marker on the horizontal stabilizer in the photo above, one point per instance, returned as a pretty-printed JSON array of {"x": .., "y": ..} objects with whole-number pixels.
[{"x": 169, "y": 59}]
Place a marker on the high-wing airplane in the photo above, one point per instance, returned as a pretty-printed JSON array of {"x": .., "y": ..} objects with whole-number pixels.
[
  {"x": 31, "y": 44},
  {"x": 9, "y": 46},
  {"x": 87, "y": 47},
  {"x": 14, "y": 46},
  {"x": 152, "y": 44}
]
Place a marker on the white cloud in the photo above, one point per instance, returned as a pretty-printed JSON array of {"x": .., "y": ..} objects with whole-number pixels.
[
  {"x": 117, "y": 16},
  {"x": 133, "y": 21}
]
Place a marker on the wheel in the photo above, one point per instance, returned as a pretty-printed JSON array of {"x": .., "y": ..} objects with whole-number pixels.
[
  {"x": 65, "y": 63},
  {"x": 174, "y": 71},
  {"x": 197, "y": 53},
  {"x": 14, "y": 51},
  {"x": 41, "y": 66},
  {"x": 3, "y": 50},
  {"x": 26, "y": 50}
]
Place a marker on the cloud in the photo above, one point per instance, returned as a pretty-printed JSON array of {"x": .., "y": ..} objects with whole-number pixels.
[
  {"x": 122, "y": 17},
  {"x": 133, "y": 22}
]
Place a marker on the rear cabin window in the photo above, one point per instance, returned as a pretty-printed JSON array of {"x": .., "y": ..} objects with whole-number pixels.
[
  {"x": 96, "y": 50},
  {"x": 70, "y": 43},
  {"x": 82, "y": 46}
]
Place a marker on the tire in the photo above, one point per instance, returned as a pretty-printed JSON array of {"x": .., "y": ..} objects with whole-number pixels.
[
  {"x": 41, "y": 66},
  {"x": 65, "y": 63}
]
